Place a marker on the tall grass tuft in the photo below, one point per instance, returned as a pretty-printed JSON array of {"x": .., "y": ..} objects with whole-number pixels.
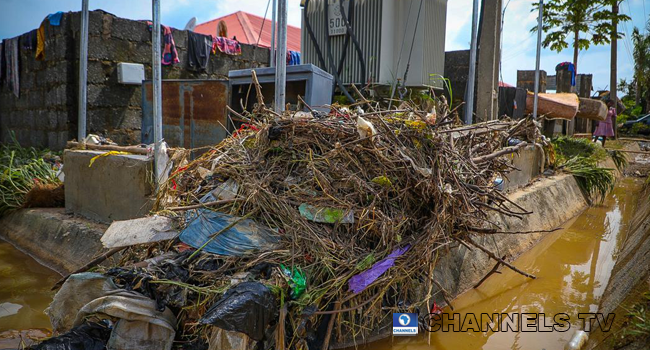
[{"x": 20, "y": 169}]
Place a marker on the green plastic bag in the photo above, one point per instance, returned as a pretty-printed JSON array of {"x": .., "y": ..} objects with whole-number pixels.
[{"x": 296, "y": 279}]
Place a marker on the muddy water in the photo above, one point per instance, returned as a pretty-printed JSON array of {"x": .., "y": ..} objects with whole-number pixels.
[
  {"x": 24, "y": 292},
  {"x": 573, "y": 266}
]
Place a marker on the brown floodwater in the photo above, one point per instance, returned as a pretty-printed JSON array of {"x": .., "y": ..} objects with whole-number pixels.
[
  {"x": 24, "y": 294},
  {"x": 572, "y": 266}
]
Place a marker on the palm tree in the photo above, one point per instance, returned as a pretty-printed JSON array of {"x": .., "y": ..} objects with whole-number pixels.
[
  {"x": 583, "y": 22},
  {"x": 641, "y": 55}
]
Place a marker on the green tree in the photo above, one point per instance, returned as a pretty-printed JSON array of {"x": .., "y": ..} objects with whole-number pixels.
[
  {"x": 585, "y": 22},
  {"x": 641, "y": 55}
]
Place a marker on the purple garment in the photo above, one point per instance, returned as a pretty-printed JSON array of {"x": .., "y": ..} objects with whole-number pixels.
[
  {"x": 605, "y": 127},
  {"x": 359, "y": 282}
]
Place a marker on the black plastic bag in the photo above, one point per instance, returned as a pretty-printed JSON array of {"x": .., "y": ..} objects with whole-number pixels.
[
  {"x": 87, "y": 336},
  {"x": 248, "y": 308}
]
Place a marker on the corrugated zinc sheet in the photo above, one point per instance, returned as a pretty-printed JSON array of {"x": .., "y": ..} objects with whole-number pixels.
[
  {"x": 194, "y": 112},
  {"x": 366, "y": 25}
]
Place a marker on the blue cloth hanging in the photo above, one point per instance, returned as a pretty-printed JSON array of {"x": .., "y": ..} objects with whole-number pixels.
[{"x": 55, "y": 18}]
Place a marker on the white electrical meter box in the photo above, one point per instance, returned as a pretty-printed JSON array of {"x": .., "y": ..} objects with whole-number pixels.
[{"x": 130, "y": 73}]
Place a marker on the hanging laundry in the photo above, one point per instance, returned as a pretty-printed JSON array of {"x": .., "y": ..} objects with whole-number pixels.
[
  {"x": 55, "y": 18},
  {"x": 28, "y": 40},
  {"x": 40, "y": 42},
  {"x": 198, "y": 50},
  {"x": 2, "y": 62},
  {"x": 225, "y": 45},
  {"x": 169, "y": 54},
  {"x": 571, "y": 68},
  {"x": 293, "y": 58},
  {"x": 12, "y": 79}
]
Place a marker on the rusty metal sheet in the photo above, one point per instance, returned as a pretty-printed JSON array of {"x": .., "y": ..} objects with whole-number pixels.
[{"x": 194, "y": 112}]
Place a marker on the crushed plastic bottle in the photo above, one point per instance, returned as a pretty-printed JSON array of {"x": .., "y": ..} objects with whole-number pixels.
[{"x": 578, "y": 340}]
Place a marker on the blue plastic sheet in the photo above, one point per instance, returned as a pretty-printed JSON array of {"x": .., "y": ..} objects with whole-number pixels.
[{"x": 243, "y": 238}]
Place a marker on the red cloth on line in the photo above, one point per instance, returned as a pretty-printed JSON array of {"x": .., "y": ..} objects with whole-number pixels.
[{"x": 225, "y": 45}]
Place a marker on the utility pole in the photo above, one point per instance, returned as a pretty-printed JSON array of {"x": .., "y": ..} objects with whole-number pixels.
[
  {"x": 272, "y": 54},
  {"x": 613, "y": 61},
  {"x": 83, "y": 73},
  {"x": 537, "y": 58},
  {"x": 281, "y": 57},
  {"x": 471, "y": 78},
  {"x": 157, "y": 77},
  {"x": 489, "y": 55}
]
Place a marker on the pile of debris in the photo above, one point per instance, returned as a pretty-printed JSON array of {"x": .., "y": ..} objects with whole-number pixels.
[{"x": 303, "y": 229}]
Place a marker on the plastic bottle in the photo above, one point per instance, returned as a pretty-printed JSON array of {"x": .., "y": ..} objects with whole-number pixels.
[{"x": 578, "y": 340}]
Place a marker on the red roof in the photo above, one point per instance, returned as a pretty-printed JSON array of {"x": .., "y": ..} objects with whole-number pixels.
[
  {"x": 246, "y": 28},
  {"x": 504, "y": 84}
]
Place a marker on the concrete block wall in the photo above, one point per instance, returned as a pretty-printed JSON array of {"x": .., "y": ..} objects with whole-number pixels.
[
  {"x": 41, "y": 114},
  {"x": 45, "y": 114}
]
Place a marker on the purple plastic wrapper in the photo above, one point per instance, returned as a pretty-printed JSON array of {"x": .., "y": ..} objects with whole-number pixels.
[{"x": 359, "y": 282}]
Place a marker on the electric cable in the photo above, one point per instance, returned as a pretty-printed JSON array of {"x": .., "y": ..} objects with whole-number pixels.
[
  {"x": 415, "y": 30},
  {"x": 399, "y": 59}
]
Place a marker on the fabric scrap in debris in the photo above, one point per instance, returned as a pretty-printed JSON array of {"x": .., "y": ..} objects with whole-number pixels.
[
  {"x": 225, "y": 45},
  {"x": 149, "y": 229},
  {"x": 198, "y": 50},
  {"x": 109, "y": 153},
  {"x": 248, "y": 308},
  {"x": 326, "y": 215},
  {"x": 243, "y": 238},
  {"x": 139, "y": 325},
  {"x": 359, "y": 282},
  {"x": 55, "y": 18}
]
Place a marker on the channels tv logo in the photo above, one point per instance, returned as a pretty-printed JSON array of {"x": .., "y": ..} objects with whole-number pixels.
[{"x": 405, "y": 324}]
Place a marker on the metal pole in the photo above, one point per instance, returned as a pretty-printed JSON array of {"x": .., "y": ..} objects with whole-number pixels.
[
  {"x": 275, "y": 6},
  {"x": 539, "y": 51},
  {"x": 83, "y": 72},
  {"x": 613, "y": 64},
  {"x": 471, "y": 78},
  {"x": 157, "y": 81},
  {"x": 281, "y": 57}
]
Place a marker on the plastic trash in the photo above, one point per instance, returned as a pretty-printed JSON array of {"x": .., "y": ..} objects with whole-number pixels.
[
  {"x": 297, "y": 281},
  {"x": 499, "y": 184},
  {"x": 361, "y": 281},
  {"x": 248, "y": 308},
  {"x": 138, "y": 231},
  {"x": 578, "y": 340},
  {"x": 221, "y": 339},
  {"x": 87, "y": 336},
  {"x": 244, "y": 238},
  {"x": 326, "y": 215},
  {"x": 139, "y": 325},
  {"x": 365, "y": 128}
]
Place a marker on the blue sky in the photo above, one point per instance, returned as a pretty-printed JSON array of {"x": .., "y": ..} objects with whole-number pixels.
[{"x": 19, "y": 16}]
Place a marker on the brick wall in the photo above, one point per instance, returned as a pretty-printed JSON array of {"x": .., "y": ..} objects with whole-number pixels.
[{"x": 45, "y": 114}]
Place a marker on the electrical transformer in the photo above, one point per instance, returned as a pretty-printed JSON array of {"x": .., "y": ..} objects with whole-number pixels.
[{"x": 389, "y": 37}]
